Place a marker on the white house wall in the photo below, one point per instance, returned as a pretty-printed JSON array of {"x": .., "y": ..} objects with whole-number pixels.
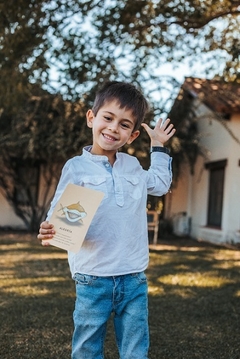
[
  {"x": 179, "y": 195},
  {"x": 8, "y": 219},
  {"x": 220, "y": 145},
  {"x": 231, "y": 212}
]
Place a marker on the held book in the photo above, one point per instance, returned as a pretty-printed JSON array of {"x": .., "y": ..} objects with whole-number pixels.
[{"x": 73, "y": 215}]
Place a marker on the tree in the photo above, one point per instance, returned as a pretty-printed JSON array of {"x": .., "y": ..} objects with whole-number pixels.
[
  {"x": 37, "y": 139},
  {"x": 87, "y": 42},
  {"x": 132, "y": 39},
  {"x": 90, "y": 40}
]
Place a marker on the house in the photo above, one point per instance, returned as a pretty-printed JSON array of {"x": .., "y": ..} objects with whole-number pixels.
[{"x": 205, "y": 202}]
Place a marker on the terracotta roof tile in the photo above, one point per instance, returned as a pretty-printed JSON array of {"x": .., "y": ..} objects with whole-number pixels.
[{"x": 221, "y": 97}]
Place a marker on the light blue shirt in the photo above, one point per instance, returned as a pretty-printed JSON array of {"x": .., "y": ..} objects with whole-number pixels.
[{"x": 117, "y": 240}]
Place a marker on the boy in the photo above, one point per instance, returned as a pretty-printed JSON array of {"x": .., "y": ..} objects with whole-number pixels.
[{"x": 109, "y": 268}]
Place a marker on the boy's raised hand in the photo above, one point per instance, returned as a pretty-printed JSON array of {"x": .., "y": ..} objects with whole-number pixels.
[{"x": 161, "y": 133}]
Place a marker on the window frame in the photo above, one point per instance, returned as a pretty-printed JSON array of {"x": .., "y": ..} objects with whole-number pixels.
[{"x": 215, "y": 193}]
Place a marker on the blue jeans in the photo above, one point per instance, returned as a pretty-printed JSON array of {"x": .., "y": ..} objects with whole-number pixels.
[{"x": 96, "y": 299}]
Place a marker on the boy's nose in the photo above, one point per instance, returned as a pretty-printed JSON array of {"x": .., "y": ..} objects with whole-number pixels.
[{"x": 113, "y": 126}]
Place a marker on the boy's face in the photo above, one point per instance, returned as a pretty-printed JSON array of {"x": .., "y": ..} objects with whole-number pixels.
[{"x": 112, "y": 128}]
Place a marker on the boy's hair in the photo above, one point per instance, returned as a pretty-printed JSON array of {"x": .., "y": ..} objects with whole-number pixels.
[{"x": 127, "y": 95}]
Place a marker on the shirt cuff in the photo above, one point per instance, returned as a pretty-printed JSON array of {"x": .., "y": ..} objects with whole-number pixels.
[{"x": 159, "y": 149}]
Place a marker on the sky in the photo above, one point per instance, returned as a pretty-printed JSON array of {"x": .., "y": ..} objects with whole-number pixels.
[{"x": 197, "y": 68}]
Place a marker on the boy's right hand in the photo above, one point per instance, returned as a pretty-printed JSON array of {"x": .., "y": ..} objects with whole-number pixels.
[{"x": 46, "y": 232}]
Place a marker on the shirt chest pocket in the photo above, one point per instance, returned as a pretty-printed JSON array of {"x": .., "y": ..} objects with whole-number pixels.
[
  {"x": 132, "y": 186},
  {"x": 96, "y": 183}
]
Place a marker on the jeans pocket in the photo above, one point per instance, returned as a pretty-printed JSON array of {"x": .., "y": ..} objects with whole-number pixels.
[
  {"x": 141, "y": 277},
  {"x": 84, "y": 279}
]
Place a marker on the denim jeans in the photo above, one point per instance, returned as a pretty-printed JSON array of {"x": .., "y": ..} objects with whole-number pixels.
[{"x": 96, "y": 299}]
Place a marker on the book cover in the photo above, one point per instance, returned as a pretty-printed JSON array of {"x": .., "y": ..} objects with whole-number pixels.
[{"x": 73, "y": 215}]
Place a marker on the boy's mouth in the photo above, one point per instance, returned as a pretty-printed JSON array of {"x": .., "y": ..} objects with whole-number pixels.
[{"x": 109, "y": 138}]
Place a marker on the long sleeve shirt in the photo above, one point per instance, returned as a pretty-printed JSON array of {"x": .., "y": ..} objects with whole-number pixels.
[{"x": 116, "y": 242}]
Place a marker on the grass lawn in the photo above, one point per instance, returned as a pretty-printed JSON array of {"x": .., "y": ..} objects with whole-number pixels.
[{"x": 194, "y": 301}]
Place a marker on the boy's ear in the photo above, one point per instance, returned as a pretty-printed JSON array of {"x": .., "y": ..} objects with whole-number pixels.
[
  {"x": 133, "y": 137},
  {"x": 89, "y": 117}
]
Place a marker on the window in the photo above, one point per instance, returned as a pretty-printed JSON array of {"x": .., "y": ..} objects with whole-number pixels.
[
  {"x": 215, "y": 196},
  {"x": 26, "y": 186}
]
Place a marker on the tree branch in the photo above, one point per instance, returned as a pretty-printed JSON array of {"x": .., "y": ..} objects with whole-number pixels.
[{"x": 198, "y": 24}]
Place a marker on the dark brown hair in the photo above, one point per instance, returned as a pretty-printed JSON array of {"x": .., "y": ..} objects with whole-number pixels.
[{"x": 127, "y": 95}]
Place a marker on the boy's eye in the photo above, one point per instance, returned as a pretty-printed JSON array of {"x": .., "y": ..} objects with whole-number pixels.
[
  {"x": 107, "y": 118},
  {"x": 125, "y": 125}
]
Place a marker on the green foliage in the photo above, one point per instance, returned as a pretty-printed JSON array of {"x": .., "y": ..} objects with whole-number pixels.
[
  {"x": 45, "y": 132},
  {"x": 131, "y": 39},
  {"x": 47, "y": 128},
  {"x": 21, "y": 37},
  {"x": 89, "y": 41},
  {"x": 185, "y": 146}
]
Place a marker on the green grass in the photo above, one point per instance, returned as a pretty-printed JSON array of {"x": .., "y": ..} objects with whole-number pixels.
[{"x": 194, "y": 301}]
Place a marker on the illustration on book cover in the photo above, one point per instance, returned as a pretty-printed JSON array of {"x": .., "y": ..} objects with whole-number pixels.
[
  {"x": 72, "y": 216},
  {"x": 73, "y": 212}
]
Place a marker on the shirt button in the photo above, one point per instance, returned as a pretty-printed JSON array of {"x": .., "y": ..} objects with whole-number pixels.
[{"x": 107, "y": 164}]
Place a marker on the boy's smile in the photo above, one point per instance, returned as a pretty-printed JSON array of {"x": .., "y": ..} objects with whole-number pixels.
[{"x": 112, "y": 128}]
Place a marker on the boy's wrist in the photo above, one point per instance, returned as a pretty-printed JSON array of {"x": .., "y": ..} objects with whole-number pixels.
[
  {"x": 155, "y": 142},
  {"x": 159, "y": 149}
]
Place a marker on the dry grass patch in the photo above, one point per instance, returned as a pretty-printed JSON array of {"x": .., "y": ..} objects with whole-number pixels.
[{"x": 194, "y": 307}]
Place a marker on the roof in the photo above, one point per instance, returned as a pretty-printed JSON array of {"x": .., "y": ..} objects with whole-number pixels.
[{"x": 221, "y": 97}]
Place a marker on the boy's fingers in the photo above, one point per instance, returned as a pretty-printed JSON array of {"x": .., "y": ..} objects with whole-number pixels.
[
  {"x": 145, "y": 126},
  {"x": 171, "y": 133},
  {"x": 169, "y": 128},
  {"x": 162, "y": 122},
  {"x": 46, "y": 224},
  {"x": 45, "y": 243},
  {"x": 148, "y": 129},
  {"x": 45, "y": 233}
]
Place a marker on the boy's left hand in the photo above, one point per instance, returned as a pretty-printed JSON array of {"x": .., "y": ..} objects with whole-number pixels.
[{"x": 161, "y": 133}]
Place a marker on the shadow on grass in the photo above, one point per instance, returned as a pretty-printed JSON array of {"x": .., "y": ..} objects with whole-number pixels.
[
  {"x": 195, "y": 290},
  {"x": 194, "y": 301}
]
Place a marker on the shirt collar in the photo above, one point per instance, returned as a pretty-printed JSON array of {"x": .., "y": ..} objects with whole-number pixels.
[{"x": 95, "y": 158}]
